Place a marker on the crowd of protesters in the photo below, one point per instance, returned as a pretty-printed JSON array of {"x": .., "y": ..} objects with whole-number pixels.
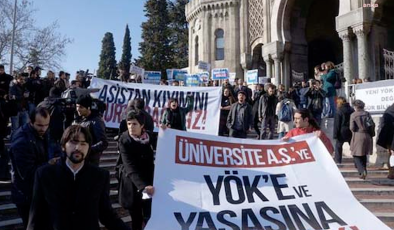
[{"x": 55, "y": 130}]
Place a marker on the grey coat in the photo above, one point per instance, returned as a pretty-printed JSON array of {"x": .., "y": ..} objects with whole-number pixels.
[{"x": 361, "y": 143}]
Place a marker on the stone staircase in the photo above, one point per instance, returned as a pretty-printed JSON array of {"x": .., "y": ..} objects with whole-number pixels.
[{"x": 376, "y": 193}]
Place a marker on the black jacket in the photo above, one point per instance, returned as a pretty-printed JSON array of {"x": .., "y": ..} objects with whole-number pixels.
[
  {"x": 20, "y": 101},
  {"x": 256, "y": 99},
  {"x": 62, "y": 201},
  {"x": 316, "y": 100},
  {"x": 247, "y": 117},
  {"x": 5, "y": 81},
  {"x": 386, "y": 133},
  {"x": 96, "y": 126},
  {"x": 55, "y": 108},
  {"x": 264, "y": 106},
  {"x": 137, "y": 169},
  {"x": 342, "y": 122},
  {"x": 36, "y": 90},
  {"x": 27, "y": 152}
]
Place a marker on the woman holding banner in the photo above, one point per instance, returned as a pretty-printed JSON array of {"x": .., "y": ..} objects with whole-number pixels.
[{"x": 136, "y": 170}]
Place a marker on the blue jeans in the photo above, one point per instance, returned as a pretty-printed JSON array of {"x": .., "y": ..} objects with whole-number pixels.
[
  {"x": 20, "y": 119},
  {"x": 32, "y": 107},
  {"x": 329, "y": 107},
  {"x": 281, "y": 135}
]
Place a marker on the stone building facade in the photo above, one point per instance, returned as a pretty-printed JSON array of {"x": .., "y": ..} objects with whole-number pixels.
[{"x": 284, "y": 37}]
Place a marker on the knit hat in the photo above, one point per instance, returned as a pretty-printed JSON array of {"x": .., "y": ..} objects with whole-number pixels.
[
  {"x": 243, "y": 92},
  {"x": 85, "y": 101}
]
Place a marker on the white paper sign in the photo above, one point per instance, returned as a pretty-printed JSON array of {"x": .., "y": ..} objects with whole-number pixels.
[
  {"x": 203, "y": 118},
  {"x": 211, "y": 182},
  {"x": 377, "y": 96}
]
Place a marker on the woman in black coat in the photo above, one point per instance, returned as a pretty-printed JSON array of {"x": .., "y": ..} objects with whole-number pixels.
[
  {"x": 135, "y": 147},
  {"x": 386, "y": 137},
  {"x": 342, "y": 131}
]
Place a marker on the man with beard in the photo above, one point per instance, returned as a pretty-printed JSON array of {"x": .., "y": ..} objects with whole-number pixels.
[
  {"x": 73, "y": 194},
  {"x": 29, "y": 150},
  {"x": 266, "y": 112}
]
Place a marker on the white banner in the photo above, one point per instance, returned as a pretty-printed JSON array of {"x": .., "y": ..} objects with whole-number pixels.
[
  {"x": 204, "y": 118},
  {"x": 228, "y": 183},
  {"x": 377, "y": 96}
]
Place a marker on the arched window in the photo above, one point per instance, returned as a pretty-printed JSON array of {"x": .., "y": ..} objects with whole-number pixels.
[
  {"x": 196, "y": 51},
  {"x": 219, "y": 43}
]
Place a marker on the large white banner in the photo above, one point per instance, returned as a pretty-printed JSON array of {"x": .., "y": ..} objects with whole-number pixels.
[
  {"x": 206, "y": 110},
  {"x": 377, "y": 96},
  {"x": 208, "y": 182}
]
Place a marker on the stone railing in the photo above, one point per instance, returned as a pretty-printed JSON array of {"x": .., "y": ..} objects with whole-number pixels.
[
  {"x": 388, "y": 64},
  {"x": 297, "y": 77}
]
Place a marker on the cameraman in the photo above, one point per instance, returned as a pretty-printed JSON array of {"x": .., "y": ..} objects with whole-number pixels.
[{"x": 316, "y": 95}]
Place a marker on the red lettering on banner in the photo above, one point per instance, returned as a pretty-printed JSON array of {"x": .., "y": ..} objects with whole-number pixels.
[
  {"x": 117, "y": 117},
  {"x": 193, "y": 151},
  {"x": 113, "y": 113},
  {"x": 197, "y": 119}
]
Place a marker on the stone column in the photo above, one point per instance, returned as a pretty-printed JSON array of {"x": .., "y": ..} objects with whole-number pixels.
[
  {"x": 277, "y": 80},
  {"x": 205, "y": 39},
  {"x": 347, "y": 56},
  {"x": 268, "y": 63},
  {"x": 362, "y": 46}
]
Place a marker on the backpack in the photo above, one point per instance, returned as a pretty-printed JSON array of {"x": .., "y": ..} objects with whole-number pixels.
[
  {"x": 286, "y": 112},
  {"x": 338, "y": 81},
  {"x": 369, "y": 125}
]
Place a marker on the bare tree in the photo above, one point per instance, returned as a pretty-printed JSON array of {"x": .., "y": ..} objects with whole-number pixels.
[{"x": 33, "y": 45}]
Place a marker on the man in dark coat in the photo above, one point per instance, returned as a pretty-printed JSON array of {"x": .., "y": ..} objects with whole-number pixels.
[
  {"x": 139, "y": 106},
  {"x": 96, "y": 126},
  {"x": 267, "y": 108},
  {"x": 240, "y": 118},
  {"x": 342, "y": 131},
  {"x": 386, "y": 136},
  {"x": 73, "y": 194},
  {"x": 29, "y": 150},
  {"x": 5, "y": 81},
  {"x": 255, "y": 107}
]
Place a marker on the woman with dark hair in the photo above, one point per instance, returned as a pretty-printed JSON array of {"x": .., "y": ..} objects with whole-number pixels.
[
  {"x": 329, "y": 79},
  {"x": 136, "y": 172},
  {"x": 361, "y": 143},
  {"x": 342, "y": 131},
  {"x": 174, "y": 117},
  {"x": 305, "y": 123},
  {"x": 227, "y": 101}
]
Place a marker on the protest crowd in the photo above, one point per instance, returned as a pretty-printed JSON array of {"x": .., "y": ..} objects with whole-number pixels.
[{"x": 57, "y": 135}]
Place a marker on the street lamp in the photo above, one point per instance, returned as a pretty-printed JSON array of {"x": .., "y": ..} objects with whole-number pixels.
[{"x": 13, "y": 38}]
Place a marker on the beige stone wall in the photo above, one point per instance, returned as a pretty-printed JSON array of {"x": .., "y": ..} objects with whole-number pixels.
[
  {"x": 353, "y": 25},
  {"x": 213, "y": 15}
]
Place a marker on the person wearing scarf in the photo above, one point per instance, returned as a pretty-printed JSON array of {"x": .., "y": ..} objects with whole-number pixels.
[{"x": 136, "y": 180}]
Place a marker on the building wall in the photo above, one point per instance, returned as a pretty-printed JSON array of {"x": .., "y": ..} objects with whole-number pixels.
[
  {"x": 282, "y": 33},
  {"x": 213, "y": 15}
]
